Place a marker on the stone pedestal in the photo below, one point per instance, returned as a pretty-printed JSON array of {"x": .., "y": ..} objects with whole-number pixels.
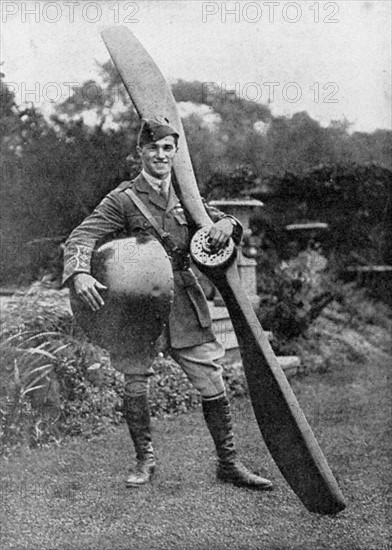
[{"x": 247, "y": 273}]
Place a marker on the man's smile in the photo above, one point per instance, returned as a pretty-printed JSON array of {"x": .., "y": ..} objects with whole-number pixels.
[{"x": 157, "y": 157}]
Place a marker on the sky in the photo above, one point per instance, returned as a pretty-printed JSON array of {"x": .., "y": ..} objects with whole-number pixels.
[{"x": 331, "y": 59}]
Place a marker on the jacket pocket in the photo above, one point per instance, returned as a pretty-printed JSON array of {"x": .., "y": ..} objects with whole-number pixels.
[{"x": 197, "y": 297}]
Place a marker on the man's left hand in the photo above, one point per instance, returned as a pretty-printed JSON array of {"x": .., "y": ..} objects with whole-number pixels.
[{"x": 220, "y": 233}]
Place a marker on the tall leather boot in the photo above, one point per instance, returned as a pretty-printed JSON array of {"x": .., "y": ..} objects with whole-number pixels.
[
  {"x": 137, "y": 415},
  {"x": 230, "y": 469}
]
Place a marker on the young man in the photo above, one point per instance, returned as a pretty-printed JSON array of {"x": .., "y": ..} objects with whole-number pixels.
[{"x": 191, "y": 340}]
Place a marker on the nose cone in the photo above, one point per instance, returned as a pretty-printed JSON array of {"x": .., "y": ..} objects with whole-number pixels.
[{"x": 140, "y": 284}]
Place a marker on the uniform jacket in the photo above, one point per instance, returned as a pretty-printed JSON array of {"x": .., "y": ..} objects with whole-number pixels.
[{"x": 116, "y": 216}]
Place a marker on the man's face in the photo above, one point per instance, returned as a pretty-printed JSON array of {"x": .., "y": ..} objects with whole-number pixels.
[{"x": 157, "y": 158}]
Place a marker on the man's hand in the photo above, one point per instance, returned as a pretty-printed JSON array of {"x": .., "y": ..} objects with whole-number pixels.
[
  {"x": 86, "y": 287},
  {"x": 220, "y": 233}
]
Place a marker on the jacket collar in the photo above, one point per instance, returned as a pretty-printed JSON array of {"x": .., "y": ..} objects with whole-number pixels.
[{"x": 142, "y": 185}]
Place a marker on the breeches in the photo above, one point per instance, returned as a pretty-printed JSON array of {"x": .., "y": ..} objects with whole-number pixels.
[{"x": 201, "y": 365}]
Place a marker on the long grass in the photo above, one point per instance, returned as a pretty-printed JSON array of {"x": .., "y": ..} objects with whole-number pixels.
[{"x": 28, "y": 363}]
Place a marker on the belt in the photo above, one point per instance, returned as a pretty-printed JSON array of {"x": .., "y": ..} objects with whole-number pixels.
[{"x": 180, "y": 262}]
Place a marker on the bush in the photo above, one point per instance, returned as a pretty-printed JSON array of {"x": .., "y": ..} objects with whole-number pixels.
[
  {"x": 293, "y": 293},
  {"x": 355, "y": 201},
  {"x": 54, "y": 383},
  {"x": 172, "y": 393},
  {"x": 30, "y": 405}
]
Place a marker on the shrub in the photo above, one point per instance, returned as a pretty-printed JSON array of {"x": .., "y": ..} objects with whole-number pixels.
[
  {"x": 54, "y": 383},
  {"x": 30, "y": 405},
  {"x": 293, "y": 293},
  {"x": 172, "y": 393}
]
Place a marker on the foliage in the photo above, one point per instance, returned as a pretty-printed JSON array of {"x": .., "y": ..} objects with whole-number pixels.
[
  {"x": 47, "y": 388},
  {"x": 361, "y": 309},
  {"x": 56, "y": 171},
  {"x": 74, "y": 496},
  {"x": 172, "y": 393},
  {"x": 293, "y": 293},
  {"x": 29, "y": 403},
  {"x": 354, "y": 200},
  {"x": 232, "y": 140},
  {"x": 55, "y": 384},
  {"x": 237, "y": 183}
]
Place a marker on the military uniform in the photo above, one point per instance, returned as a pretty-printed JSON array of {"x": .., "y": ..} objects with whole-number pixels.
[
  {"x": 190, "y": 321},
  {"x": 192, "y": 342}
]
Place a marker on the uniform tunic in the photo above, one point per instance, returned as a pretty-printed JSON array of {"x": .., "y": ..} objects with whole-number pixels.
[{"x": 116, "y": 216}]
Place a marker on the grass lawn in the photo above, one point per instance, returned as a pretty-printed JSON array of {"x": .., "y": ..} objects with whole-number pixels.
[{"x": 73, "y": 496}]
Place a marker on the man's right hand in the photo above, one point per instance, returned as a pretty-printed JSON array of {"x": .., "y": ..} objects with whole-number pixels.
[{"x": 86, "y": 287}]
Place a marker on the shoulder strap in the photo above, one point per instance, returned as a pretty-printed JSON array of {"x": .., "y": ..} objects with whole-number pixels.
[{"x": 165, "y": 236}]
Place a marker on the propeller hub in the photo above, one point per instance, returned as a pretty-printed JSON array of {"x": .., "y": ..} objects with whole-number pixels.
[{"x": 204, "y": 256}]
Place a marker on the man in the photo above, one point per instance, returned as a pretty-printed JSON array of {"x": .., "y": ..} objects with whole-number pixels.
[{"x": 191, "y": 340}]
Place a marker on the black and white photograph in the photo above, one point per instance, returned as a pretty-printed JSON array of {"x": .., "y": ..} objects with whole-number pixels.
[{"x": 196, "y": 275}]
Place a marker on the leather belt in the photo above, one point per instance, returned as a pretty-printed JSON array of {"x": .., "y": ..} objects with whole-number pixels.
[{"x": 180, "y": 262}]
